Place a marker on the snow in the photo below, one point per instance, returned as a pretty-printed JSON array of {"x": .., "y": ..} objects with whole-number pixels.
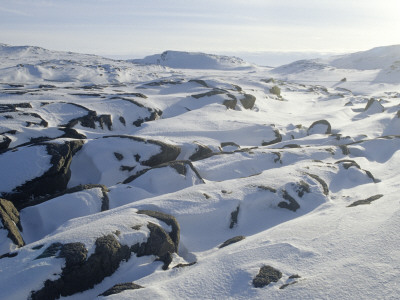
[{"x": 290, "y": 186}]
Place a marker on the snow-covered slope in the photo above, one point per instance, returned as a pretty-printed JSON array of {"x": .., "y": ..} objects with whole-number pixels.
[
  {"x": 214, "y": 180},
  {"x": 378, "y": 65},
  {"x": 194, "y": 60}
]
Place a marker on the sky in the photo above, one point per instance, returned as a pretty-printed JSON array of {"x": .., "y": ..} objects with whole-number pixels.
[{"x": 260, "y": 30}]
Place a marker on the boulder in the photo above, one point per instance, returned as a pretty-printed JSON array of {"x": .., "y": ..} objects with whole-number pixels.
[
  {"x": 201, "y": 152},
  {"x": 265, "y": 276},
  {"x": 319, "y": 127},
  {"x": 232, "y": 241}
]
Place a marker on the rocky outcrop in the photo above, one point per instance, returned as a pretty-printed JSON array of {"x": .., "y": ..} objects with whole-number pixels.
[
  {"x": 232, "y": 241},
  {"x": 167, "y": 219},
  {"x": 80, "y": 274},
  {"x": 53, "y": 180},
  {"x": 119, "y": 288},
  {"x": 366, "y": 201},
  {"x": 248, "y": 101},
  {"x": 180, "y": 167},
  {"x": 320, "y": 127},
  {"x": 201, "y": 152},
  {"x": 9, "y": 218}
]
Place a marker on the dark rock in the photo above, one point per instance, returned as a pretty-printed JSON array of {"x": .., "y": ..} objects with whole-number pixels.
[
  {"x": 234, "y": 217},
  {"x": 118, "y": 156},
  {"x": 201, "y": 152},
  {"x": 366, "y": 201},
  {"x": 50, "y": 251},
  {"x": 232, "y": 241},
  {"x": 225, "y": 144},
  {"x": 293, "y": 205},
  {"x": 9, "y": 217},
  {"x": 292, "y": 146},
  {"x": 164, "y": 82},
  {"x": 74, "y": 253},
  {"x": 79, "y": 274},
  {"x": 122, "y": 120},
  {"x": 90, "y": 120},
  {"x": 166, "y": 259},
  {"x": 4, "y": 108},
  {"x": 185, "y": 265},
  {"x": 267, "y": 188},
  {"x": 167, "y": 219},
  {"x": 265, "y": 276},
  {"x": 283, "y": 286},
  {"x": 78, "y": 188},
  {"x": 301, "y": 188},
  {"x": 159, "y": 243},
  {"x": 71, "y": 134},
  {"x": 209, "y": 94},
  {"x": 321, "y": 182},
  {"x": 275, "y": 90},
  {"x": 4, "y": 142},
  {"x": 345, "y": 149},
  {"x": 199, "y": 81},
  {"x": 179, "y": 165},
  {"x": 230, "y": 103},
  {"x": 278, "y": 138},
  {"x": 168, "y": 153},
  {"x": 119, "y": 288},
  {"x": 248, "y": 101},
  {"x": 127, "y": 168},
  {"x": 294, "y": 276},
  {"x": 325, "y": 123},
  {"x": 371, "y": 102}
]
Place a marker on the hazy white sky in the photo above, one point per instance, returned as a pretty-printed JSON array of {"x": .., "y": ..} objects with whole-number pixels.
[{"x": 132, "y": 27}]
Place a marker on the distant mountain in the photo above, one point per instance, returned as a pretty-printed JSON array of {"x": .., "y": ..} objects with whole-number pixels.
[{"x": 194, "y": 60}]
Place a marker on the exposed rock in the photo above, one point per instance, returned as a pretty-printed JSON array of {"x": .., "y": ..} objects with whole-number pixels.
[
  {"x": 4, "y": 142},
  {"x": 4, "y": 108},
  {"x": 184, "y": 265},
  {"x": 209, "y": 94},
  {"x": 301, "y": 188},
  {"x": 201, "y": 152},
  {"x": 118, "y": 156},
  {"x": 267, "y": 188},
  {"x": 79, "y": 274},
  {"x": 293, "y": 205},
  {"x": 119, "y": 288},
  {"x": 78, "y": 188},
  {"x": 168, "y": 152},
  {"x": 275, "y": 90},
  {"x": 90, "y": 120},
  {"x": 265, "y": 276},
  {"x": 230, "y": 103},
  {"x": 199, "y": 81},
  {"x": 291, "y": 146},
  {"x": 53, "y": 180},
  {"x": 232, "y": 241},
  {"x": 180, "y": 167},
  {"x": 248, "y": 101},
  {"x": 234, "y": 217},
  {"x": 167, "y": 219},
  {"x": 278, "y": 138},
  {"x": 366, "y": 201},
  {"x": 320, "y": 127},
  {"x": 374, "y": 106},
  {"x": 9, "y": 217},
  {"x": 321, "y": 182},
  {"x": 159, "y": 243}
]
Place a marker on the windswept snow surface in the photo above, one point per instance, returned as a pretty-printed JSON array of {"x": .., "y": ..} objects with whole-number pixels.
[{"x": 309, "y": 176}]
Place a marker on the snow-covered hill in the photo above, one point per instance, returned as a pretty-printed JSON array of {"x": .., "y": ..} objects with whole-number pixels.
[
  {"x": 198, "y": 177},
  {"x": 192, "y": 60}
]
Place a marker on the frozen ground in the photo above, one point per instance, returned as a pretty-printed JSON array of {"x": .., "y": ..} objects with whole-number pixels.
[{"x": 299, "y": 164}]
